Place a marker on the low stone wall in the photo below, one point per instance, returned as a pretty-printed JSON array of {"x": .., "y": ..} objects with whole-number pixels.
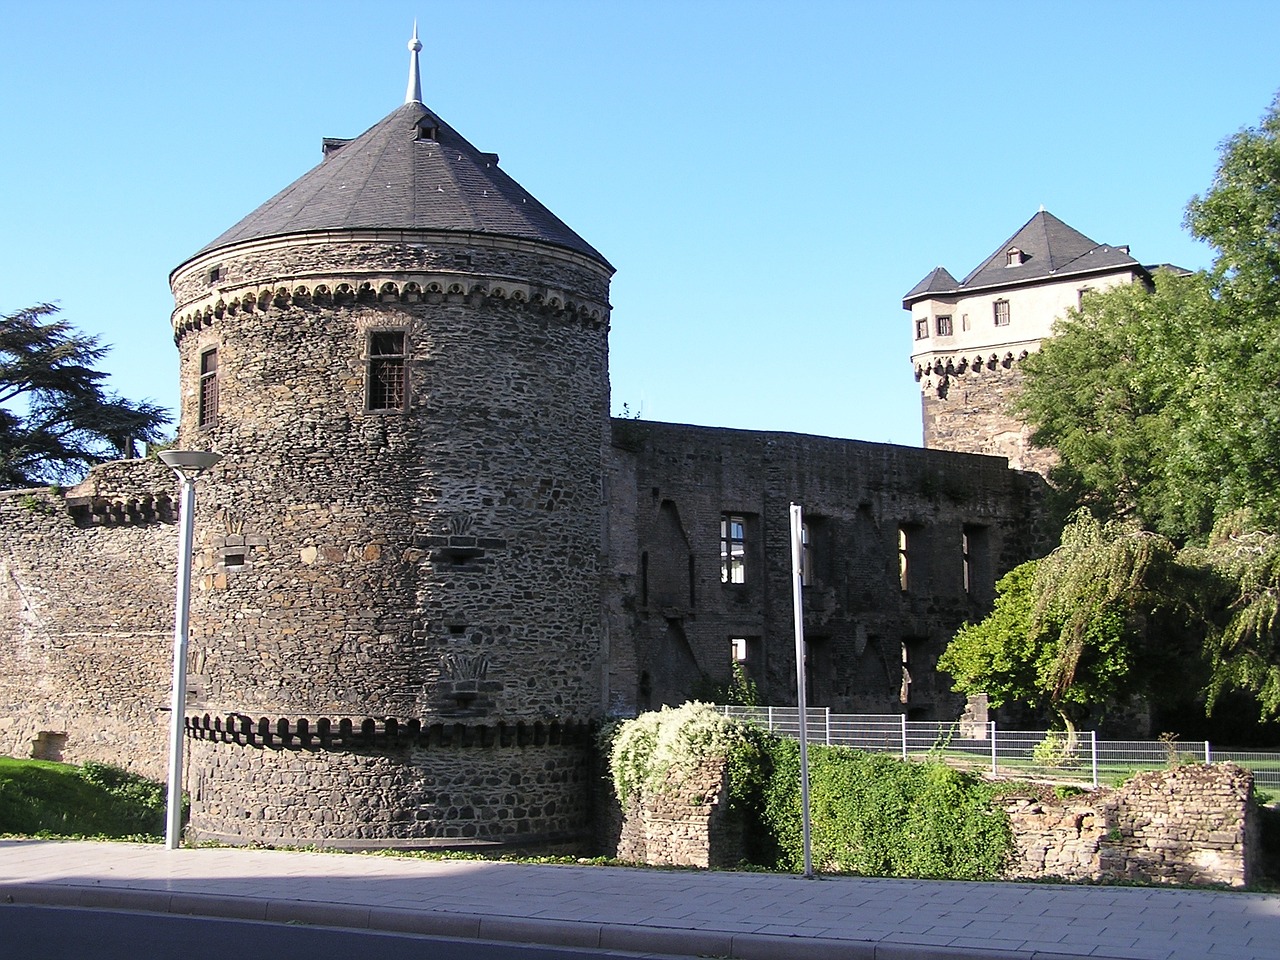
[
  {"x": 1190, "y": 824},
  {"x": 1193, "y": 824},
  {"x": 685, "y": 822}
]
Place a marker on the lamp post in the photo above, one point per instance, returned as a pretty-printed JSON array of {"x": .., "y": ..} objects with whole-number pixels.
[{"x": 187, "y": 464}]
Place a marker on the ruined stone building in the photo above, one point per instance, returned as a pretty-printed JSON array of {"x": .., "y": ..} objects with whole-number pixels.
[{"x": 430, "y": 563}]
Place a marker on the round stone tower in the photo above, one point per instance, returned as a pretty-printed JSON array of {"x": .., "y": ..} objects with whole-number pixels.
[{"x": 397, "y": 628}]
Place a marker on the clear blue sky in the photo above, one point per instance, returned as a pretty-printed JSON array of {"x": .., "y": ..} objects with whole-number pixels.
[{"x": 767, "y": 178}]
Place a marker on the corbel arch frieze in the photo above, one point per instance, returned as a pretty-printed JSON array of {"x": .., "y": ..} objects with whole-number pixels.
[
  {"x": 339, "y": 291},
  {"x": 940, "y": 369}
]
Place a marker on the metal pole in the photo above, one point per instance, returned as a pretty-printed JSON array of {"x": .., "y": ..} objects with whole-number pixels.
[
  {"x": 1093, "y": 738},
  {"x": 801, "y": 699},
  {"x": 187, "y": 464},
  {"x": 181, "y": 628},
  {"x": 904, "y": 736}
]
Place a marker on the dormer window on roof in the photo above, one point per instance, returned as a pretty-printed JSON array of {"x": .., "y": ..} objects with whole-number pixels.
[
  {"x": 1014, "y": 257},
  {"x": 331, "y": 145},
  {"x": 427, "y": 129}
]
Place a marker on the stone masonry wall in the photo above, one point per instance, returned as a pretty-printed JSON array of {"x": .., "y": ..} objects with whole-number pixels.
[
  {"x": 685, "y": 823},
  {"x": 969, "y": 411},
  {"x": 415, "y": 793},
  {"x": 1190, "y": 824},
  {"x": 385, "y": 557},
  {"x": 672, "y": 617},
  {"x": 86, "y": 618},
  {"x": 438, "y": 562},
  {"x": 1194, "y": 824}
]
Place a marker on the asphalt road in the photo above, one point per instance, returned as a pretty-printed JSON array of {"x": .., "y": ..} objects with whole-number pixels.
[{"x": 67, "y": 933}]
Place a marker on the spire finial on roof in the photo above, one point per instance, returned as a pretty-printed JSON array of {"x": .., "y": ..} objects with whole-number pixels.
[{"x": 414, "y": 93}]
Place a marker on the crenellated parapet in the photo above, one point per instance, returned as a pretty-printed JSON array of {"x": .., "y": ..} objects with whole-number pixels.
[{"x": 342, "y": 733}]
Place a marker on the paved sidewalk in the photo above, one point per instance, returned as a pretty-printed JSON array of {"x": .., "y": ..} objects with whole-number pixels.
[{"x": 753, "y": 916}]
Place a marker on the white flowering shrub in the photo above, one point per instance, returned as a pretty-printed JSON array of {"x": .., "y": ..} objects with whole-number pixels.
[{"x": 662, "y": 748}]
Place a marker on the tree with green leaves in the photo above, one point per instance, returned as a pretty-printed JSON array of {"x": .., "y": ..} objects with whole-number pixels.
[
  {"x": 1162, "y": 403},
  {"x": 1241, "y": 565},
  {"x": 1099, "y": 619},
  {"x": 1112, "y": 392},
  {"x": 57, "y": 418}
]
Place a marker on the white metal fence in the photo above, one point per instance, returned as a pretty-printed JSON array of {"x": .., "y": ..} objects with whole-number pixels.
[{"x": 1032, "y": 754}]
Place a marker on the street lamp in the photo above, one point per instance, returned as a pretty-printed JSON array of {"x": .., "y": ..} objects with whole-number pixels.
[{"x": 187, "y": 464}]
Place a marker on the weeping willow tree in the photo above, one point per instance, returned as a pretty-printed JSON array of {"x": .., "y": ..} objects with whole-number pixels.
[
  {"x": 1100, "y": 618},
  {"x": 1243, "y": 638}
]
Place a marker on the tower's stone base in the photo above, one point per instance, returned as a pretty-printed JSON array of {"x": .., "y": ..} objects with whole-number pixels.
[{"x": 470, "y": 787}]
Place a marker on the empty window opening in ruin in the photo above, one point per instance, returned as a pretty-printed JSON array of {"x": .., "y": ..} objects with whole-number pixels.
[
  {"x": 973, "y": 549},
  {"x": 944, "y": 325},
  {"x": 904, "y": 558},
  {"x": 738, "y": 646},
  {"x": 1001, "y": 312},
  {"x": 733, "y": 548},
  {"x": 208, "y": 408},
  {"x": 234, "y": 560},
  {"x": 388, "y": 363}
]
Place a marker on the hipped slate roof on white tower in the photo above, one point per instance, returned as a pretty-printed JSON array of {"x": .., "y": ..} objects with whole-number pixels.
[
  {"x": 395, "y": 176},
  {"x": 1050, "y": 250}
]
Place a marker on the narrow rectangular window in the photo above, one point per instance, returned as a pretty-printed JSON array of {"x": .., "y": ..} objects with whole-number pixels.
[
  {"x": 387, "y": 370},
  {"x": 944, "y": 325},
  {"x": 1001, "y": 308},
  {"x": 733, "y": 548},
  {"x": 208, "y": 414},
  {"x": 922, "y": 328},
  {"x": 966, "y": 546},
  {"x": 904, "y": 559},
  {"x": 973, "y": 548},
  {"x": 739, "y": 646}
]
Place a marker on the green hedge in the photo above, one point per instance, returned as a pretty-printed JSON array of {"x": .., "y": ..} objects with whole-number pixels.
[{"x": 874, "y": 815}]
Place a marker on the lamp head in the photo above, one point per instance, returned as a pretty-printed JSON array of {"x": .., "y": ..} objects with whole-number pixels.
[{"x": 189, "y": 464}]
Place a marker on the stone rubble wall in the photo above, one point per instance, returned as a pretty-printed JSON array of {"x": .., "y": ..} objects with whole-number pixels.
[
  {"x": 411, "y": 794},
  {"x": 686, "y": 822},
  {"x": 86, "y": 618},
  {"x": 1191, "y": 824}
]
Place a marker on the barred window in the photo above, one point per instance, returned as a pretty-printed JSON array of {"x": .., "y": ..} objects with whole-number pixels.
[
  {"x": 388, "y": 362},
  {"x": 208, "y": 414}
]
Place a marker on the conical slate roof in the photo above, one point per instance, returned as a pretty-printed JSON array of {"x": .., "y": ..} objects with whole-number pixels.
[
  {"x": 410, "y": 171},
  {"x": 1049, "y": 248},
  {"x": 939, "y": 280}
]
